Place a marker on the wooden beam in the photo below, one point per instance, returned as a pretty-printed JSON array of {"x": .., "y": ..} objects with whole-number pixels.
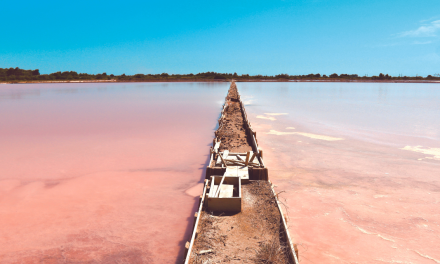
[
  {"x": 223, "y": 160},
  {"x": 241, "y": 163},
  {"x": 235, "y": 162},
  {"x": 253, "y": 156}
]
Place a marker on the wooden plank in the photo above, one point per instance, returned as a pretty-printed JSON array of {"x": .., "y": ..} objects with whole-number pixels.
[
  {"x": 237, "y": 153},
  {"x": 231, "y": 171},
  {"x": 219, "y": 186},
  {"x": 243, "y": 173},
  {"x": 231, "y": 204},
  {"x": 226, "y": 191},
  {"x": 214, "y": 171}
]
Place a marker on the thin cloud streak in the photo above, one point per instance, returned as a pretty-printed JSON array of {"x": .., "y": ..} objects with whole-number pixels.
[{"x": 427, "y": 30}]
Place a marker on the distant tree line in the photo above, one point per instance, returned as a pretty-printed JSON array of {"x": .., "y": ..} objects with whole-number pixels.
[{"x": 21, "y": 75}]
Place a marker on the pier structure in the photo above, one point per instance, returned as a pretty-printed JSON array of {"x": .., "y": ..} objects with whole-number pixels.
[{"x": 239, "y": 216}]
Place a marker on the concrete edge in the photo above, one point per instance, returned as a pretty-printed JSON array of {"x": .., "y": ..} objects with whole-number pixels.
[
  {"x": 193, "y": 236},
  {"x": 288, "y": 238}
]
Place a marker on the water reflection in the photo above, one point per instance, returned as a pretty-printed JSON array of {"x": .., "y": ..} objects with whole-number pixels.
[
  {"x": 98, "y": 172},
  {"x": 370, "y": 198}
]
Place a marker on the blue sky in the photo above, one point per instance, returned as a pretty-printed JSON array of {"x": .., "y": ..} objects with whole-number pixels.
[{"x": 254, "y": 37}]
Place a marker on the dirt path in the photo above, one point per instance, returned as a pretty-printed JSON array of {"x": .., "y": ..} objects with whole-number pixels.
[
  {"x": 252, "y": 235},
  {"x": 233, "y": 133}
]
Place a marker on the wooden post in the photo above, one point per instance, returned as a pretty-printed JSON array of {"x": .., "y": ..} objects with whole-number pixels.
[
  {"x": 186, "y": 248},
  {"x": 296, "y": 250},
  {"x": 247, "y": 159}
]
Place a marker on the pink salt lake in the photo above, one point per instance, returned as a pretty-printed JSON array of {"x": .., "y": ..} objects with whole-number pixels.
[
  {"x": 107, "y": 173},
  {"x": 102, "y": 173},
  {"x": 359, "y": 164}
]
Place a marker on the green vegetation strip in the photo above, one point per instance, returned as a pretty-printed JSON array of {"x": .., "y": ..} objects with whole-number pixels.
[{"x": 14, "y": 75}]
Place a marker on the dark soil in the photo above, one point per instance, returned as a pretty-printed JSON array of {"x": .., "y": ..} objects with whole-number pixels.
[
  {"x": 233, "y": 132},
  {"x": 250, "y": 236},
  {"x": 233, "y": 93}
]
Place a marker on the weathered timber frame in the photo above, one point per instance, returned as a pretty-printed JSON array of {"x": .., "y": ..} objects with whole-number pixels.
[
  {"x": 260, "y": 173},
  {"x": 229, "y": 204}
]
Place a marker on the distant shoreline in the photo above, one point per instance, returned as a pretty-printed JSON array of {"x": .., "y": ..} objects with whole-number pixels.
[
  {"x": 215, "y": 80},
  {"x": 17, "y": 75}
]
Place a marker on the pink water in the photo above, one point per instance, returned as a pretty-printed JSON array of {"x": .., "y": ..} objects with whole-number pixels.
[
  {"x": 102, "y": 173},
  {"x": 363, "y": 198}
]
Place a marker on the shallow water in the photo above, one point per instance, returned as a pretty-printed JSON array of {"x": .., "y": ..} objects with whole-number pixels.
[
  {"x": 102, "y": 173},
  {"x": 359, "y": 164}
]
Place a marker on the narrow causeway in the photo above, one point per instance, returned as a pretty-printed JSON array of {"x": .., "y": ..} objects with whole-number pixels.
[{"x": 239, "y": 218}]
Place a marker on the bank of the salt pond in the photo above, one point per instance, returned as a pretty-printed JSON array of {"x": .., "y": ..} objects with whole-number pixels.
[
  {"x": 91, "y": 172},
  {"x": 364, "y": 198}
]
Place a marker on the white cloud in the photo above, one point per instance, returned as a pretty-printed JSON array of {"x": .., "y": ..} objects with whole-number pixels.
[
  {"x": 426, "y": 30},
  {"x": 430, "y": 19}
]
